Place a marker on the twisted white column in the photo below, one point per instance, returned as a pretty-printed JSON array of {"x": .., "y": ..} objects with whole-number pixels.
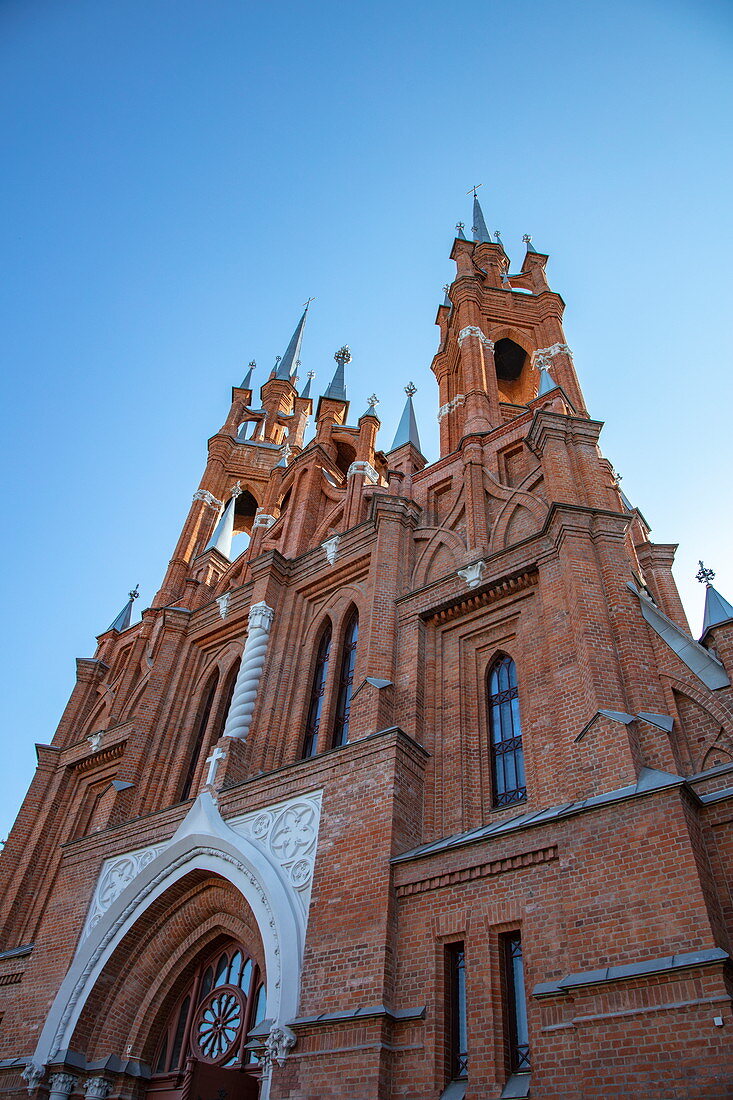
[{"x": 248, "y": 678}]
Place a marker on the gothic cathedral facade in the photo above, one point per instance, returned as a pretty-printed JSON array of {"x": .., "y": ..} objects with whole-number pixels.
[{"x": 427, "y": 792}]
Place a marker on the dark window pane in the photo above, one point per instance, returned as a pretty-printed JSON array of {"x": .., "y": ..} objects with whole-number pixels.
[
  {"x": 516, "y": 1003},
  {"x": 246, "y": 977},
  {"x": 203, "y": 721},
  {"x": 235, "y": 968},
  {"x": 457, "y": 1009},
  {"x": 346, "y": 683},
  {"x": 313, "y": 721},
  {"x": 180, "y": 1028},
  {"x": 505, "y": 734},
  {"x": 220, "y": 976},
  {"x": 160, "y": 1065},
  {"x": 206, "y": 982}
]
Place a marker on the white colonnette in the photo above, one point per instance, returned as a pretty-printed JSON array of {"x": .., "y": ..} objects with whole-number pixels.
[{"x": 242, "y": 706}]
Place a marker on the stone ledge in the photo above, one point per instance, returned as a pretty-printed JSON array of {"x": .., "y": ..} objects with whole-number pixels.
[
  {"x": 361, "y": 1013},
  {"x": 665, "y": 965}
]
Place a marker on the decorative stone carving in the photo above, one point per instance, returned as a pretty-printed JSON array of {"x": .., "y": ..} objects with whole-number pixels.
[
  {"x": 208, "y": 498},
  {"x": 96, "y": 1088},
  {"x": 278, "y": 1044},
  {"x": 113, "y": 878},
  {"x": 95, "y": 739},
  {"x": 289, "y": 833},
  {"x": 213, "y": 762},
  {"x": 32, "y": 1075},
  {"x": 60, "y": 1086},
  {"x": 223, "y": 604},
  {"x": 474, "y": 330},
  {"x": 330, "y": 546},
  {"x": 472, "y": 574},
  {"x": 242, "y": 705},
  {"x": 545, "y": 354},
  {"x": 451, "y": 405},
  {"x": 364, "y": 468},
  {"x": 262, "y": 520}
]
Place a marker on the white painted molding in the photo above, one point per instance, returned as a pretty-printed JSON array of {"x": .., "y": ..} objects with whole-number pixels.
[
  {"x": 262, "y": 519},
  {"x": 115, "y": 875},
  {"x": 330, "y": 546},
  {"x": 223, "y": 604},
  {"x": 208, "y": 498},
  {"x": 545, "y": 354},
  {"x": 474, "y": 330},
  {"x": 451, "y": 405},
  {"x": 473, "y": 573},
  {"x": 262, "y": 871},
  {"x": 364, "y": 468},
  {"x": 242, "y": 705}
]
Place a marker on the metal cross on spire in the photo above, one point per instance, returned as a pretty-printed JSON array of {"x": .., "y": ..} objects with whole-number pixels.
[
  {"x": 136, "y": 592},
  {"x": 474, "y": 189},
  {"x": 373, "y": 400},
  {"x": 705, "y": 576},
  {"x": 410, "y": 389},
  {"x": 306, "y": 304}
]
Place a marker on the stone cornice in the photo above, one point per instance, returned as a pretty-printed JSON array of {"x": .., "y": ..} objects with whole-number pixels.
[{"x": 490, "y": 592}]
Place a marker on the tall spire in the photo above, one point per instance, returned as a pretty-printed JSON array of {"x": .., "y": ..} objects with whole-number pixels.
[
  {"x": 306, "y": 394},
  {"x": 247, "y": 382},
  {"x": 407, "y": 428},
  {"x": 288, "y": 364},
  {"x": 221, "y": 539},
  {"x": 717, "y": 608},
  {"x": 480, "y": 232},
  {"x": 337, "y": 388},
  {"x": 125, "y": 616}
]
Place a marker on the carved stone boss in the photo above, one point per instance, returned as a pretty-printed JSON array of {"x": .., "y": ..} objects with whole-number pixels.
[
  {"x": 242, "y": 706},
  {"x": 474, "y": 330}
]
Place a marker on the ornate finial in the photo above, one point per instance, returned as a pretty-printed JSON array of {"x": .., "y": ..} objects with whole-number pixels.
[
  {"x": 705, "y": 576},
  {"x": 446, "y": 287},
  {"x": 343, "y": 355},
  {"x": 252, "y": 363},
  {"x": 311, "y": 374},
  {"x": 527, "y": 239},
  {"x": 618, "y": 478},
  {"x": 474, "y": 189},
  {"x": 277, "y": 359},
  {"x": 411, "y": 388},
  {"x": 235, "y": 491},
  {"x": 373, "y": 400},
  {"x": 460, "y": 226},
  {"x": 285, "y": 451},
  {"x": 136, "y": 592}
]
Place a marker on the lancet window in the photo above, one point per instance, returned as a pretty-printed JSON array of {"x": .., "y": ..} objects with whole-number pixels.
[
  {"x": 318, "y": 689},
  {"x": 505, "y": 733},
  {"x": 202, "y": 722},
  {"x": 224, "y": 999},
  {"x": 346, "y": 682}
]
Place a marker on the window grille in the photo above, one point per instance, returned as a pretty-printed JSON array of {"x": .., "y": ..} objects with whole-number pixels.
[{"x": 505, "y": 733}]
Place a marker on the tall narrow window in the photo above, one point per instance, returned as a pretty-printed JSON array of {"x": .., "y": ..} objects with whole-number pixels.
[
  {"x": 457, "y": 1031},
  {"x": 203, "y": 721},
  {"x": 505, "y": 733},
  {"x": 516, "y": 1003},
  {"x": 310, "y": 747},
  {"x": 346, "y": 682}
]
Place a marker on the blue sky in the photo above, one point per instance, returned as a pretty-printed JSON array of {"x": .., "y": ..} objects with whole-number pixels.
[{"x": 180, "y": 175}]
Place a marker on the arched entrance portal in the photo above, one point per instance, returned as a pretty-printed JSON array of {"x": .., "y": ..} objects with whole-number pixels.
[{"x": 202, "y": 1048}]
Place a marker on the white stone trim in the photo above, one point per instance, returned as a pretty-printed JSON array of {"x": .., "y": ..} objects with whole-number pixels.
[
  {"x": 205, "y": 842},
  {"x": 262, "y": 519},
  {"x": 222, "y": 603},
  {"x": 545, "y": 354},
  {"x": 330, "y": 547},
  {"x": 208, "y": 498},
  {"x": 242, "y": 705},
  {"x": 473, "y": 573},
  {"x": 115, "y": 875},
  {"x": 364, "y": 468},
  {"x": 474, "y": 330},
  {"x": 451, "y": 405}
]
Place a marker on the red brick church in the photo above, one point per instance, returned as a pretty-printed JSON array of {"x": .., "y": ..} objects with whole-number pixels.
[{"x": 412, "y": 781}]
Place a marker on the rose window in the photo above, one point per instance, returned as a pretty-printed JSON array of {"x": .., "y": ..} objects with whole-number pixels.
[{"x": 218, "y": 1025}]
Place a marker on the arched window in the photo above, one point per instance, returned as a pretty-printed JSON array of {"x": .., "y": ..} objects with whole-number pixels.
[
  {"x": 346, "y": 682},
  {"x": 224, "y": 998},
  {"x": 207, "y": 701},
  {"x": 310, "y": 747},
  {"x": 225, "y": 701},
  {"x": 505, "y": 733}
]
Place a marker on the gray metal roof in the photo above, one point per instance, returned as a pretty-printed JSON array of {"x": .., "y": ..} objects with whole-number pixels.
[
  {"x": 717, "y": 609},
  {"x": 480, "y": 232},
  {"x": 547, "y": 382},
  {"x": 123, "y": 619},
  {"x": 306, "y": 391},
  {"x": 247, "y": 381},
  {"x": 407, "y": 428},
  {"x": 459, "y": 231},
  {"x": 337, "y": 387},
  {"x": 289, "y": 362},
  {"x": 221, "y": 539}
]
